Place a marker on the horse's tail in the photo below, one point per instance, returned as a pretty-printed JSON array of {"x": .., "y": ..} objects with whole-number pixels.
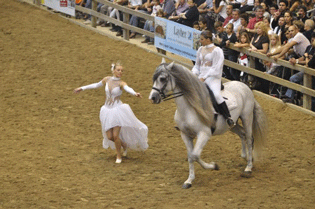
[{"x": 260, "y": 129}]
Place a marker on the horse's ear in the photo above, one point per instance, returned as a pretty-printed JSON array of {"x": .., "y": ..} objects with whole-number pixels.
[
  {"x": 163, "y": 60},
  {"x": 170, "y": 66}
]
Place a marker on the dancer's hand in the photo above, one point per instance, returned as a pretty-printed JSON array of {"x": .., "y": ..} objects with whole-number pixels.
[
  {"x": 138, "y": 95},
  {"x": 202, "y": 79},
  {"x": 77, "y": 90}
]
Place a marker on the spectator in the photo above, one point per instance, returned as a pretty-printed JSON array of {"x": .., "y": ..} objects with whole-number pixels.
[
  {"x": 258, "y": 17},
  {"x": 288, "y": 18},
  {"x": 266, "y": 9},
  {"x": 243, "y": 58},
  {"x": 202, "y": 24},
  {"x": 299, "y": 24},
  {"x": 259, "y": 43},
  {"x": 244, "y": 23},
  {"x": 219, "y": 31},
  {"x": 266, "y": 20},
  {"x": 149, "y": 25},
  {"x": 272, "y": 10},
  {"x": 283, "y": 7},
  {"x": 309, "y": 4},
  {"x": 168, "y": 7},
  {"x": 180, "y": 7},
  {"x": 247, "y": 5},
  {"x": 293, "y": 4},
  {"x": 196, "y": 25},
  {"x": 134, "y": 20},
  {"x": 190, "y": 16},
  {"x": 229, "y": 10},
  {"x": 308, "y": 29},
  {"x": 301, "y": 14},
  {"x": 206, "y": 7},
  {"x": 298, "y": 77},
  {"x": 299, "y": 43},
  {"x": 217, "y": 14},
  {"x": 229, "y": 54},
  {"x": 236, "y": 21},
  {"x": 279, "y": 28}
]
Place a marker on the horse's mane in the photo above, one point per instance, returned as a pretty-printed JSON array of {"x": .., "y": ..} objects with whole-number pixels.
[{"x": 195, "y": 92}]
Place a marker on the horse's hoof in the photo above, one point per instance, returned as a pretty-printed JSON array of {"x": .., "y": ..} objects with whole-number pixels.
[
  {"x": 246, "y": 174},
  {"x": 186, "y": 186},
  {"x": 216, "y": 167}
]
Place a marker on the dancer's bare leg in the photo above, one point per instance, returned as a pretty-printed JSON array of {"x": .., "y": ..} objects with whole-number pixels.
[{"x": 118, "y": 144}]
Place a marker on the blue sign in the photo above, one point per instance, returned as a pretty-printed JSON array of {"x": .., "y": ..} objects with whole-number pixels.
[{"x": 176, "y": 38}]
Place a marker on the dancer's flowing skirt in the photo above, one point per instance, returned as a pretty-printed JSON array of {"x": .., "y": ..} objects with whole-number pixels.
[{"x": 133, "y": 132}]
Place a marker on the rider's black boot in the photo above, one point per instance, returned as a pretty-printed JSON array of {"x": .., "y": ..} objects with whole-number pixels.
[{"x": 226, "y": 114}]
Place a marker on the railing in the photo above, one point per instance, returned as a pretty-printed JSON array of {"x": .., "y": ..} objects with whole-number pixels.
[{"x": 305, "y": 89}]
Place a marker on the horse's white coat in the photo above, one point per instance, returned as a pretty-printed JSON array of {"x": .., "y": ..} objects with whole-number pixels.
[{"x": 245, "y": 107}]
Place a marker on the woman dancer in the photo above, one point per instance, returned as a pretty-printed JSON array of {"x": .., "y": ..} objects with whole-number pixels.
[{"x": 120, "y": 127}]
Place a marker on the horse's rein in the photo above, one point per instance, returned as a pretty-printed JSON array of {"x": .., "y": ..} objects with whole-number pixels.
[{"x": 168, "y": 96}]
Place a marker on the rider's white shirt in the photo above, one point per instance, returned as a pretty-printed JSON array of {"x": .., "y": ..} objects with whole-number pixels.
[{"x": 209, "y": 62}]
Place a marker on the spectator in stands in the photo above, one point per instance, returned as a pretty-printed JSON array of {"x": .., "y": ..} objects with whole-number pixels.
[
  {"x": 244, "y": 23},
  {"x": 149, "y": 25},
  {"x": 283, "y": 7},
  {"x": 205, "y": 7},
  {"x": 247, "y": 5},
  {"x": 236, "y": 21},
  {"x": 220, "y": 32},
  {"x": 229, "y": 54},
  {"x": 134, "y": 20},
  {"x": 293, "y": 5},
  {"x": 229, "y": 10},
  {"x": 299, "y": 43},
  {"x": 217, "y": 14},
  {"x": 279, "y": 28},
  {"x": 196, "y": 25},
  {"x": 190, "y": 16},
  {"x": 258, "y": 17},
  {"x": 298, "y": 77},
  {"x": 288, "y": 18},
  {"x": 301, "y": 14},
  {"x": 168, "y": 7},
  {"x": 266, "y": 20},
  {"x": 299, "y": 24},
  {"x": 260, "y": 43},
  {"x": 180, "y": 7},
  {"x": 202, "y": 24},
  {"x": 244, "y": 42},
  {"x": 309, "y": 29},
  {"x": 309, "y": 4},
  {"x": 266, "y": 9},
  {"x": 272, "y": 10}
]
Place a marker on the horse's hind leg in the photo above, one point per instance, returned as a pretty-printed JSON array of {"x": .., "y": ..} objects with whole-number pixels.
[
  {"x": 239, "y": 130},
  {"x": 190, "y": 146},
  {"x": 248, "y": 128}
]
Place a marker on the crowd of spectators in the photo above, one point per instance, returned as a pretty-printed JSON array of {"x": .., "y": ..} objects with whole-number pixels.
[{"x": 280, "y": 29}]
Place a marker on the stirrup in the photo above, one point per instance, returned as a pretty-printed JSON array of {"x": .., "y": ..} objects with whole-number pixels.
[{"x": 230, "y": 122}]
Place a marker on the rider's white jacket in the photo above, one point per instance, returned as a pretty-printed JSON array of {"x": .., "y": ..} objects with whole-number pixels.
[{"x": 209, "y": 62}]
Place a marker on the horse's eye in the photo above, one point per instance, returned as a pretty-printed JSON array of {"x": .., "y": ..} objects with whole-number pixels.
[{"x": 162, "y": 79}]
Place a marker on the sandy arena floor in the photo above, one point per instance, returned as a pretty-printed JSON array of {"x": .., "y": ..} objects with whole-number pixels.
[{"x": 51, "y": 153}]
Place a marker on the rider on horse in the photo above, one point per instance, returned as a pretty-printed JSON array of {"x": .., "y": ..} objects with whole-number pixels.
[{"x": 208, "y": 68}]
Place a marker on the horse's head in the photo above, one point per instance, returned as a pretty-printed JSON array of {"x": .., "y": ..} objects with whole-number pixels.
[{"x": 163, "y": 82}]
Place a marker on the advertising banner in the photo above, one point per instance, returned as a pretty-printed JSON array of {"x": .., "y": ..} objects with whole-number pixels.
[
  {"x": 176, "y": 38},
  {"x": 63, "y": 6}
]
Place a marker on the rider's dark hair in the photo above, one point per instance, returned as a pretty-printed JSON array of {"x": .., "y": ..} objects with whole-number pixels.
[{"x": 206, "y": 34}]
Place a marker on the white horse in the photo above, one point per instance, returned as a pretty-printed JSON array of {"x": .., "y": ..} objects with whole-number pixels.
[{"x": 195, "y": 116}]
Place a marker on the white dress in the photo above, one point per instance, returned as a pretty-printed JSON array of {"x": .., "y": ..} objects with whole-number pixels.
[{"x": 115, "y": 113}]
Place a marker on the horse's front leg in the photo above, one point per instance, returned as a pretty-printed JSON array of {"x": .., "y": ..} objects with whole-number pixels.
[
  {"x": 190, "y": 146},
  {"x": 202, "y": 140}
]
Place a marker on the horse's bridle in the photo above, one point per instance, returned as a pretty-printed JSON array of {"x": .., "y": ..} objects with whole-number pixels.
[{"x": 168, "y": 96}]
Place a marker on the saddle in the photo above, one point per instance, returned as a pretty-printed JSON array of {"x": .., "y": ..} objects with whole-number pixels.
[{"x": 227, "y": 96}]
